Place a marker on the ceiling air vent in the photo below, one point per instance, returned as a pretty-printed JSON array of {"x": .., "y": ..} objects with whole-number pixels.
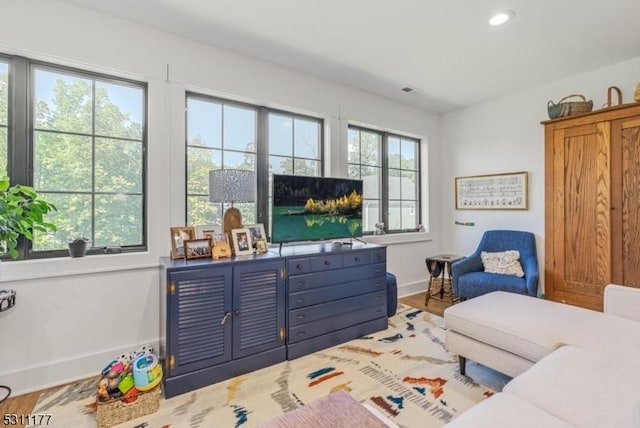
[{"x": 407, "y": 89}]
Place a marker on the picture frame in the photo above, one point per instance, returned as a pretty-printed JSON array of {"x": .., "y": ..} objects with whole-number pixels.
[
  {"x": 261, "y": 246},
  {"x": 221, "y": 247},
  {"x": 242, "y": 245},
  {"x": 257, "y": 232},
  {"x": 197, "y": 248},
  {"x": 506, "y": 191},
  {"x": 207, "y": 230},
  {"x": 178, "y": 236}
]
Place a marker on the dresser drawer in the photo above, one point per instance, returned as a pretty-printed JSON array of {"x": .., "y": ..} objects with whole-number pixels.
[
  {"x": 319, "y": 264},
  {"x": 334, "y": 308},
  {"x": 379, "y": 256},
  {"x": 357, "y": 258},
  {"x": 310, "y": 281},
  {"x": 316, "y": 328},
  {"x": 334, "y": 292},
  {"x": 298, "y": 266}
]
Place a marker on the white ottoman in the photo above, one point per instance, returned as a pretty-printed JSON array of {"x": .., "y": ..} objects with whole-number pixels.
[{"x": 509, "y": 332}]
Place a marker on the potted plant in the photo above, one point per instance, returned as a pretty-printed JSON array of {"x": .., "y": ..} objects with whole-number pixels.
[
  {"x": 22, "y": 212},
  {"x": 78, "y": 247}
]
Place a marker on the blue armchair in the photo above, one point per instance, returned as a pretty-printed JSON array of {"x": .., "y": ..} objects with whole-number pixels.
[{"x": 468, "y": 275}]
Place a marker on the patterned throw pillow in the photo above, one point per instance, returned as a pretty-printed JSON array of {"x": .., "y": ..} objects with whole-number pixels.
[{"x": 504, "y": 262}]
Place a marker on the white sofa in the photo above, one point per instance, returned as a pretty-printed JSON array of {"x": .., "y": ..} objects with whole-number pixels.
[{"x": 572, "y": 367}]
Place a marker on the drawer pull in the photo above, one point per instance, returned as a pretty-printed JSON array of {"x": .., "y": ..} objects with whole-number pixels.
[
  {"x": 357, "y": 259},
  {"x": 327, "y": 262},
  {"x": 378, "y": 285},
  {"x": 301, "y": 333},
  {"x": 300, "y": 283},
  {"x": 300, "y": 300},
  {"x": 299, "y": 266},
  {"x": 300, "y": 317}
]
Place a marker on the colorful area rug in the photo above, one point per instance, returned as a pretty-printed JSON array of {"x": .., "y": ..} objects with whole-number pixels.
[{"x": 405, "y": 372}]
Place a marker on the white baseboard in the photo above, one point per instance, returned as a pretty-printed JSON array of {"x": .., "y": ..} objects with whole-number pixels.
[
  {"x": 405, "y": 290},
  {"x": 57, "y": 373}
]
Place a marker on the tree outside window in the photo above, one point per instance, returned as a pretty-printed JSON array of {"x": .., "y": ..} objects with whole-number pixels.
[
  {"x": 4, "y": 115},
  {"x": 88, "y": 157}
]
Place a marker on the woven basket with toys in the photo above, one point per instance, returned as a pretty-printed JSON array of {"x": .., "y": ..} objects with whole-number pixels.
[{"x": 129, "y": 388}]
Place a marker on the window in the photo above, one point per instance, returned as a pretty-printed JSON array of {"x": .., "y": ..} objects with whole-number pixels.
[
  {"x": 295, "y": 148},
  {"x": 294, "y": 145},
  {"x": 389, "y": 166},
  {"x": 365, "y": 163},
  {"x": 222, "y": 134},
  {"x": 86, "y": 150}
]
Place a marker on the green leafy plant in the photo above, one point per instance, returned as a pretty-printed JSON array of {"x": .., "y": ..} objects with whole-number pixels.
[{"x": 22, "y": 212}]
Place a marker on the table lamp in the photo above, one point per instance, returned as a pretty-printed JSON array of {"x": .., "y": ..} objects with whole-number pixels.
[{"x": 232, "y": 185}]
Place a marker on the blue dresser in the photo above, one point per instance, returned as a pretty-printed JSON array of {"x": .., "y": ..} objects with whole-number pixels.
[
  {"x": 222, "y": 318},
  {"x": 335, "y": 294}
]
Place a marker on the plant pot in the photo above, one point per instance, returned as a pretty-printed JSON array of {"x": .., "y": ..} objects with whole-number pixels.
[{"x": 78, "y": 248}]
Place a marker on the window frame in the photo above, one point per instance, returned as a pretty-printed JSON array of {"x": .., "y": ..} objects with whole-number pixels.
[
  {"x": 262, "y": 150},
  {"x": 20, "y": 151},
  {"x": 223, "y": 102},
  {"x": 384, "y": 191},
  {"x": 8, "y": 60}
]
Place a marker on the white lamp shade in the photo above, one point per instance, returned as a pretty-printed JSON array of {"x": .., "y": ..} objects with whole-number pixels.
[{"x": 232, "y": 185}]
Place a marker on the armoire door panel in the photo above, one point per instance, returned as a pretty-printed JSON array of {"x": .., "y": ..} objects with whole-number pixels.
[
  {"x": 586, "y": 208},
  {"x": 630, "y": 203}
]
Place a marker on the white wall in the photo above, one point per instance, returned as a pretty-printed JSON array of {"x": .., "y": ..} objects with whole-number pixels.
[
  {"x": 73, "y": 315},
  {"x": 505, "y": 135}
]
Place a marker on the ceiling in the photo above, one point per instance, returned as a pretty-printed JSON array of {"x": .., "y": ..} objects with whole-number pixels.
[{"x": 444, "y": 49}]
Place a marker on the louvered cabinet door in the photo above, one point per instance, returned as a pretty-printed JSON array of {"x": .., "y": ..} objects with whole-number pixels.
[
  {"x": 199, "y": 334},
  {"x": 259, "y": 307}
]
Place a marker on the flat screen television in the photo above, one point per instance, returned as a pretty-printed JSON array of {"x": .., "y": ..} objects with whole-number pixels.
[{"x": 315, "y": 208}]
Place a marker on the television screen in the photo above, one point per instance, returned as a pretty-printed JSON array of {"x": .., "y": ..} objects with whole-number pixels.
[{"x": 314, "y": 208}]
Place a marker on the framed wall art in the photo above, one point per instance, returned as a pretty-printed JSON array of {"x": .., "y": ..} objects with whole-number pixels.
[
  {"x": 506, "y": 191},
  {"x": 178, "y": 236}
]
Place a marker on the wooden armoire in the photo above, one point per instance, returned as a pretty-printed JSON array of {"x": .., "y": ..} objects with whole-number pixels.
[{"x": 592, "y": 204}]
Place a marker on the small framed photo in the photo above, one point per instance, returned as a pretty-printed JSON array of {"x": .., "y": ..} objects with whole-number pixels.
[
  {"x": 221, "y": 247},
  {"x": 257, "y": 232},
  {"x": 207, "y": 230},
  {"x": 178, "y": 236},
  {"x": 242, "y": 244},
  {"x": 261, "y": 245},
  {"x": 197, "y": 248}
]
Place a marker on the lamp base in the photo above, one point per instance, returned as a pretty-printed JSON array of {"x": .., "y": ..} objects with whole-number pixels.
[{"x": 232, "y": 220}]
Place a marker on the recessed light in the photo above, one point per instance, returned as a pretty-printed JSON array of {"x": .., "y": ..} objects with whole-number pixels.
[{"x": 501, "y": 17}]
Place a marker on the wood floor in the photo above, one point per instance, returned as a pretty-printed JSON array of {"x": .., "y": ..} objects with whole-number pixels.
[{"x": 24, "y": 404}]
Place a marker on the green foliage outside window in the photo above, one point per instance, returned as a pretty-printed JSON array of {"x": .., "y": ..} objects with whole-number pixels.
[
  {"x": 88, "y": 160},
  {"x": 4, "y": 111}
]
